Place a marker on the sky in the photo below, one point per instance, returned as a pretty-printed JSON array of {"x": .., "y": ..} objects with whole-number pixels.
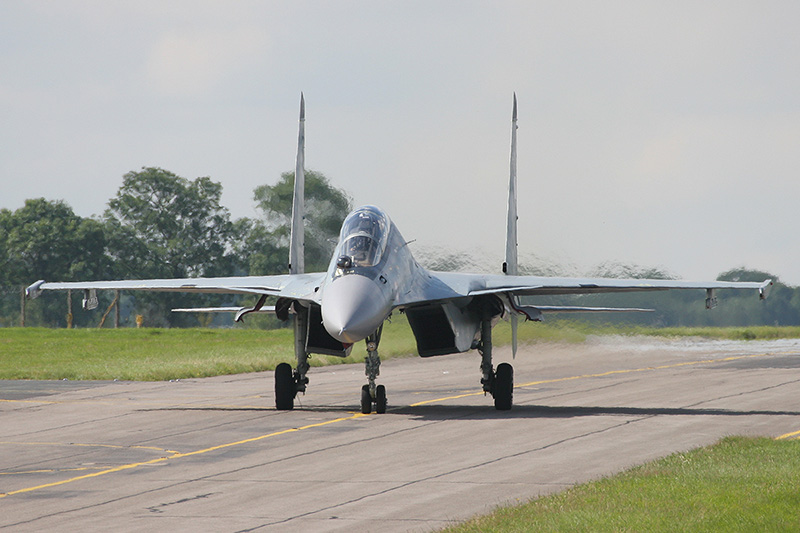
[{"x": 660, "y": 134}]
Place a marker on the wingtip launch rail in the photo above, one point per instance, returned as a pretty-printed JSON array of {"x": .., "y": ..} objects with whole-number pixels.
[{"x": 372, "y": 274}]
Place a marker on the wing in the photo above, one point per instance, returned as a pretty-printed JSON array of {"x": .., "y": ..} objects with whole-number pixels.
[
  {"x": 442, "y": 286},
  {"x": 296, "y": 286}
]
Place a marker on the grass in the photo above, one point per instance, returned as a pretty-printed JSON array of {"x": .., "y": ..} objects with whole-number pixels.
[
  {"x": 730, "y": 333},
  {"x": 163, "y": 354},
  {"x": 136, "y": 354},
  {"x": 738, "y": 484}
]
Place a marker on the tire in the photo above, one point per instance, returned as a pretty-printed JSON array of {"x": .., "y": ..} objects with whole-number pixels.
[
  {"x": 284, "y": 387},
  {"x": 380, "y": 399},
  {"x": 503, "y": 387},
  {"x": 366, "y": 400}
]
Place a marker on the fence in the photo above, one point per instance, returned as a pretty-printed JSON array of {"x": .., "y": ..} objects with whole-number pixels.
[{"x": 53, "y": 309}]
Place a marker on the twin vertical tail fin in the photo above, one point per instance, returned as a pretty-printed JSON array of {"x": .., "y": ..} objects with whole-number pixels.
[
  {"x": 511, "y": 264},
  {"x": 297, "y": 239}
]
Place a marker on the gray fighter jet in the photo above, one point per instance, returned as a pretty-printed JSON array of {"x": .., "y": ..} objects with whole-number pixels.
[{"x": 372, "y": 274}]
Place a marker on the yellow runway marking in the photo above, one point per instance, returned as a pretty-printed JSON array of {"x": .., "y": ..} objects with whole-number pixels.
[
  {"x": 26, "y": 401},
  {"x": 792, "y": 435},
  {"x": 648, "y": 369},
  {"x": 178, "y": 455},
  {"x": 50, "y": 471},
  {"x": 610, "y": 373},
  {"x": 88, "y": 445}
]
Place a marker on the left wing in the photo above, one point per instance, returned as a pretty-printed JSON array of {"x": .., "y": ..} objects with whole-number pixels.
[{"x": 296, "y": 286}]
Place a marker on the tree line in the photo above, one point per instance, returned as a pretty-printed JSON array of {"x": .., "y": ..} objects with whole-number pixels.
[{"x": 160, "y": 225}]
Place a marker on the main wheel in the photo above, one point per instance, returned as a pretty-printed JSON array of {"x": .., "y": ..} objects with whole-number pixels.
[
  {"x": 284, "y": 387},
  {"x": 366, "y": 400},
  {"x": 503, "y": 387},
  {"x": 380, "y": 399}
]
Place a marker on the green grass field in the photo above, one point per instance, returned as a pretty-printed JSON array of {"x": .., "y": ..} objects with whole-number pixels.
[
  {"x": 739, "y": 484},
  {"x": 163, "y": 354}
]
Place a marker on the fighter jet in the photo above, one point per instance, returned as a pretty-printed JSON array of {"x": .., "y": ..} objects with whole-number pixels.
[{"x": 373, "y": 274}]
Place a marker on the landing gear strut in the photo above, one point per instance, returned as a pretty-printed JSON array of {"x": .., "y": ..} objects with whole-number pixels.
[
  {"x": 500, "y": 383},
  {"x": 372, "y": 393},
  {"x": 287, "y": 382}
]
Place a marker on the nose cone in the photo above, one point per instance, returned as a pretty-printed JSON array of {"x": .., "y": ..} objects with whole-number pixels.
[{"x": 353, "y": 307}]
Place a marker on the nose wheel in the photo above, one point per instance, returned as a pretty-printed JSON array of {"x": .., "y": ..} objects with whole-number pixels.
[
  {"x": 379, "y": 400},
  {"x": 372, "y": 393}
]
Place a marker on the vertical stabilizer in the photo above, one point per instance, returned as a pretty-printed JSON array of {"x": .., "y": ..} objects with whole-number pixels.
[
  {"x": 297, "y": 239},
  {"x": 511, "y": 266}
]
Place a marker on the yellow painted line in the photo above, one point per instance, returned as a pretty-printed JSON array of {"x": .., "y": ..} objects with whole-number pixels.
[
  {"x": 792, "y": 435},
  {"x": 269, "y": 435},
  {"x": 645, "y": 369},
  {"x": 178, "y": 455},
  {"x": 26, "y": 401},
  {"x": 437, "y": 400},
  {"x": 609, "y": 373},
  {"x": 88, "y": 445},
  {"x": 49, "y": 471},
  {"x": 87, "y": 476}
]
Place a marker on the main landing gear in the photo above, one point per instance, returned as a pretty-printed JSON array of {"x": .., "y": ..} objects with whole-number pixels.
[
  {"x": 499, "y": 383},
  {"x": 287, "y": 382},
  {"x": 372, "y": 393}
]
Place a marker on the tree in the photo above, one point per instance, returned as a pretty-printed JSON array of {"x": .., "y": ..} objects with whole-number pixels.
[
  {"x": 45, "y": 239},
  {"x": 780, "y": 308},
  {"x": 161, "y": 225},
  {"x": 267, "y": 245}
]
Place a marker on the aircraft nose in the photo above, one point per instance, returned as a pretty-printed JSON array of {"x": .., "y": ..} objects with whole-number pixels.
[{"x": 353, "y": 307}]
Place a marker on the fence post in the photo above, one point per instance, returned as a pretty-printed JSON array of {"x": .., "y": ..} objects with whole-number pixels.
[
  {"x": 69, "y": 308},
  {"x": 22, "y": 308},
  {"x": 116, "y": 309}
]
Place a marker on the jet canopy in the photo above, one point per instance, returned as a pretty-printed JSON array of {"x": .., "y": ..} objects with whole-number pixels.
[{"x": 364, "y": 235}]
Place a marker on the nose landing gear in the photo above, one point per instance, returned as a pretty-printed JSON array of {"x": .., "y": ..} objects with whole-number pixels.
[
  {"x": 379, "y": 400},
  {"x": 372, "y": 393}
]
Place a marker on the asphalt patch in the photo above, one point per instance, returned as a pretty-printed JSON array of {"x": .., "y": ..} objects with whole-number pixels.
[{"x": 29, "y": 389}]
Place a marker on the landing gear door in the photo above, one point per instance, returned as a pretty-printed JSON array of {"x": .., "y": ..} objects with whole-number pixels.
[{"x": 318, "y": 340}]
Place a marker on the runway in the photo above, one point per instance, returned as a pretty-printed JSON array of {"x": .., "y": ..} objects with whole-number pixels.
[{"x": 214, "y": 455}]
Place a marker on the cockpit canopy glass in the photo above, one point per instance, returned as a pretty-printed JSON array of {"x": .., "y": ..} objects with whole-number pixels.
[{"x": 364, "y": 235}]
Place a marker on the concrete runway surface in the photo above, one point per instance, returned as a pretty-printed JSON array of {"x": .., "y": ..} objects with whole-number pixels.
[{"x": 214, "y": 455}]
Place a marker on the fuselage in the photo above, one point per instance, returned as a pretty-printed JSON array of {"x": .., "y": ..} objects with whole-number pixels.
[{"x": 371, "y": 264}]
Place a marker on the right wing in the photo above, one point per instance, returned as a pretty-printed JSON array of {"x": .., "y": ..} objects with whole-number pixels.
[{"x": 444, "y": 286}]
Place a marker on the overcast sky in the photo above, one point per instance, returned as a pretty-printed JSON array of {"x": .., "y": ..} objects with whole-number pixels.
[{"x": 665, "y": 134}]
